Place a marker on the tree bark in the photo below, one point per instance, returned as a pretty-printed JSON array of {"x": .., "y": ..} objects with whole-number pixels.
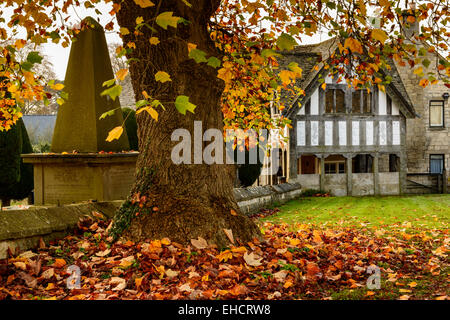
[{"x": 183, "y": 201}]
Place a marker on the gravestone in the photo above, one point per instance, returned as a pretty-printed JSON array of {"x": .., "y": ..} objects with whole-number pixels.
[
  {"x": 78, "y": 126},
  {"x": 98, "y": 170}
]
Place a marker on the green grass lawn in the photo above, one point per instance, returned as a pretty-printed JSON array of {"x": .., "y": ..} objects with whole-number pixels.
[{"x": 424, "y": 211}]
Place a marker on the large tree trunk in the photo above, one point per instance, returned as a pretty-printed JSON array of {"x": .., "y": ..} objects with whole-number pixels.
[{"x": 183, "y": 201}]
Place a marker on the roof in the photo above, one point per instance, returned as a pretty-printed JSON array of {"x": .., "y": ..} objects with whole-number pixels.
[{"x": 309, "y": 56}]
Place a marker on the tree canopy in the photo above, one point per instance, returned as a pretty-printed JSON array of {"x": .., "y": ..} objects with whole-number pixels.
[{"x": 249, "y": 37}]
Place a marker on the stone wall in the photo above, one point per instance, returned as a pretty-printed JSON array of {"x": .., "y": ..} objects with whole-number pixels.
[
  {"x": 363, "y": 184},
  {"x": 421, "y": 139},
  {"x": 389, "y": 183},
  {"x": 23, "y": 229}
]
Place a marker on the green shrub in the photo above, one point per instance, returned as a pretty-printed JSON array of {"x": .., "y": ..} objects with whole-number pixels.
[
  {"x": 16, "y": 177},
  {"x": 131, "y": 126},
  {"x": 313, "y": 193},
  {"x": 42, "y": 147}
]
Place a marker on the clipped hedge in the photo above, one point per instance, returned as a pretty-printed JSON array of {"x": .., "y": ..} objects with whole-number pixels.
[{"x": 16, "y": 177}]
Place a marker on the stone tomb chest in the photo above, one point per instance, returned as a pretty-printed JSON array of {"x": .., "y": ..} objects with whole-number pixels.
[{"x": 70, "y": 178}]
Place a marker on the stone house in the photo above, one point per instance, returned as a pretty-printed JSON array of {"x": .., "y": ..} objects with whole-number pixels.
[{"x": 350, "y": 142}]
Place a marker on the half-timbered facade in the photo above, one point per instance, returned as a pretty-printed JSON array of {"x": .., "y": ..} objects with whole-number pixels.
[{"x": 347, "y": 141}]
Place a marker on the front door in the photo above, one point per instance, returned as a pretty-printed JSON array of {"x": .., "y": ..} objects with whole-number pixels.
[{"x": 308, "y": 164}]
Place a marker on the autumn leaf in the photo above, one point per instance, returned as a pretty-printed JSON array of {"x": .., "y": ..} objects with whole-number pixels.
[
  {"x": 59, "y": 263},
  {"x": 118, "y": 283},
  {"x": 199, "y": 243},
  {"x": 166, "y": 19},
  {"x": 139, "y": 20},
  {"x": 162, "y": 76},
  {"x": 154, "y": 40},
  {"x": 229, "y": 234},
  {"x": 252, "y": 259},
  {"x": 379, "y": 35},
  {"x": 144, "y": 3},
  {"x": 121, "y": 74},
  {"x": 115, "y": 133},
  {"x": 124, "y": 31},
  {"x": 354, "y": 45}
]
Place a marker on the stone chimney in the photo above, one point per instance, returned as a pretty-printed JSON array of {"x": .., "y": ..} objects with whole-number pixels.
[{"x": 410, "y": 29}]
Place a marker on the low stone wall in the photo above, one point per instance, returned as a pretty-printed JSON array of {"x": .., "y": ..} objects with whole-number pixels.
[
  {"x": 23, "y": 228},
  {"x": 252, "y": 199}
]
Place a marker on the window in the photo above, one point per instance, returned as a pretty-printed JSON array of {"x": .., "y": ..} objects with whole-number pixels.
[
  {"x": 436, "y": 163},
  {"x": 334, "y": 167},
  {"x": 436, "y": 113},
  {"x": 361, "y": 101},
  {"x": 334, "y": 101}
]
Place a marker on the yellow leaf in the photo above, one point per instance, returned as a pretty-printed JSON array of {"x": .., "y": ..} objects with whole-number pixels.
[
  {"x": 412, "y": 284},
  {"x": 418, "y": 71},
  {"x": 29, "y": 77},
  {"x": 50, "y": 286},
  {"x": 20, "y": 43},
  {"x": 162, "y": 76},
  {"x": 58, "y": 86},
  {"x": 286, "y": 76},
  {"x": 13, "y": 88},
  {"x": 124, "y": 31},
  {"x": 144, "y": 3},
  {"x": 138, "y": 282},
  {"x": 324, "y": 86},
  {"x": 154, "y": 40},
  {"x": 424, "y": 82},
  {"x": 121, "y": 74},
  {"x": 153, "y": 113},
  {"x": 139, "y": 20},
  {"x": 287, "y": 284},
  {"x": 379, "y": 35},
  {"x": 191, "y": 46},
  {"x": 114, "y": 134},
  {"x": 370, "y": 293},
  {"x": 404, "y": 290},
  {"x": 354, "y": 45}
]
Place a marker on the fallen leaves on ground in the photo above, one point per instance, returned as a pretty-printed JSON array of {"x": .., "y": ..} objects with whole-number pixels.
[{"x": 292, "y": 262}]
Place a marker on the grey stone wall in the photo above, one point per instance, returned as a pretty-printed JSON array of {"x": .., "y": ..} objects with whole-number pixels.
[{"x": 421, "y": 139}]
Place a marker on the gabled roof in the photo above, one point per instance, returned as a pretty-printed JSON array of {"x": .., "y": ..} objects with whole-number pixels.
[{"x": 309, "y": 56}]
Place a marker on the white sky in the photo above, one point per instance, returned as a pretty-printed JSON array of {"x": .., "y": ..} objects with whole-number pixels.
[{"x": 59, "y": 56}]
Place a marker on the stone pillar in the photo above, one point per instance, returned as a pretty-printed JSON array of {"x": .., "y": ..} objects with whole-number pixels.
[
  {"x": 376, "y": 176},
  {"x": 349, "y": 172}
]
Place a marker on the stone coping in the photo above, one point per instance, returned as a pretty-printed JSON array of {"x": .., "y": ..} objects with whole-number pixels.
[
  {"x": 79, "y": 157},
  {"x": 248, "y": 193},
  {"x": 40, "y": 221}
]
